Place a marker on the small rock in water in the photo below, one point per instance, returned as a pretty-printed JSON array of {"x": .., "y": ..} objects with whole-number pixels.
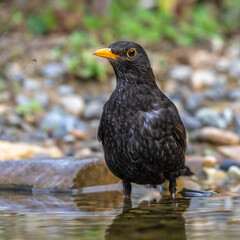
[
  {"x": 227, "y": 163},
  {"x": 209, "y": 117},
  {"x": 233, "y": 174},
  {"x": 65, "y": 90},
  {"x": 218, "y": 136},
  {"x": 54, "y": 70},
  {"x": 73, "y": 104},
  {"x": 93, "y": 110},
  {"x": 223, "y": 64},
  {"x": 190, "y": 192},
  {"x": 181, "y": 73},
  {"x": 215, "y": 176},
  {"x": 194, "y": 102},
  {"x": 60, "y": 123}
]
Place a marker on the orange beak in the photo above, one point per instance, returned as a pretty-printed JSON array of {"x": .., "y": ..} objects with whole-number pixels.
[{"x": 107, "y": 53}]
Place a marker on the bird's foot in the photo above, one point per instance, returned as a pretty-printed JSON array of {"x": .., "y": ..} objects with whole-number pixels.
[
  {"x": 127, "y": 188},
  {"x": 173, "y": 189}
]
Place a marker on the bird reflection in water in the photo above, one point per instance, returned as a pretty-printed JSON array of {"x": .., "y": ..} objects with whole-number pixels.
[{"x": 150, "y": 220}]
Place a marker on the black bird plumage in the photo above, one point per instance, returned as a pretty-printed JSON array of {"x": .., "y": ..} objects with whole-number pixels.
[{"x": 143, "y": 137}]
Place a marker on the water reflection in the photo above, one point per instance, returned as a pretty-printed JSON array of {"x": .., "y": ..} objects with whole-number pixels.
[
  {"x": 150, "y": 220},
  {"x": 103, "y": 215}
]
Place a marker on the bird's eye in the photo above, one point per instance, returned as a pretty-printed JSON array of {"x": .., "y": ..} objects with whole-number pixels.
[{"x": 131, "y": 52}]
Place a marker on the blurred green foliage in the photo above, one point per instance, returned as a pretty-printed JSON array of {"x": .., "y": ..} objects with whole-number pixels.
[
  {"x": 88, "y": 23},
  {"x": 31, "y": 108}
]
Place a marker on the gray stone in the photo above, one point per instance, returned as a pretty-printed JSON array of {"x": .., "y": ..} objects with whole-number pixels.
[
  {"x": 42, "y": 98},
  {"x": 14, "y": 72},
  {"x": 228, "y": 115},
  {"x": 22, "y": 100},
  {"x": 234, "y": 94},
  {"x": 194, "y": 102},
  {"x": 181, "y": 73},
  {"x": 190, "y": 122},
  {"x": 209, "y": 117},
  {"x": 223, "y": 64},
  {"x": 234, "y": 68},
  {"x": 54, "y": 70},
  {"x": 228, "y": 162},
  {"x": 30, "y": 84},
  {"x": 216, "y": 92},
  {"x": 65, "y": 90},
  {"x": 93, "y": 110},
  {"x": 59, "y": 123},
  {"x": 73, "y": 104}
]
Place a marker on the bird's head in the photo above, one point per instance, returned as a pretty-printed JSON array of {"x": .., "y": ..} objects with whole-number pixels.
[{"x": 129, "y": 60}]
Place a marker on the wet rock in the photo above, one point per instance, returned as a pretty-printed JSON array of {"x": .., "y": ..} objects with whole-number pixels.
[
  {"x": 54, "y": 70},
  {"x": 218, "y": 136},
  {"x": 203, "y": 78},
  {"x": 55, "y": 175},
  {"x": 194, "y": 101},
  {"x": 195, "y": 166},
  {"x": 227, "y": 163},
  {"x": 59, "y": 123},
  {"x": 233, "y": 174},
  {"x": 181, "y": 73},
  {"x": 73, "y": 104},
  {"x": 93, "y": 109},
  {"x": 210, "y": 117},
  {"x": 65, "y": 90},
  {"x": 232, "y": 152},
  {"x": 10, "y": 151},
  {"x": 227, "y": 115},
  {"x": 190, "y": 122},
  {"x": 216, "y": 92},
  {"x": 190, "y": 192},
  {"x": 234, "y": 68}
]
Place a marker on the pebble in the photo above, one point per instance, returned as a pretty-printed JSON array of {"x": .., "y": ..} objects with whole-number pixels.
[
  {"x": 22, "y": 100},
  {"x": 234, "y": 68},
  {"x": 60, "y": 123},
  {"x": 215, "y": 176},
  {"x": 203, "y": 78},
  {"x": 227, "y": 163},
  {"x": 30, "y": 84},
  {"x": 234, "y": 94},
  {"x": 218, "y": 136},
  {"x": 207, "y": 161},
  {"x": 14, "y": 72},
  {"x": 190, "y": 122},
  {"x": 210, "y": 117},
  {"x": 181, "y": 73},
  {"x": 54, "y": 70},
  {"x": 216, "y": 92},
  {"x": 42, "y": 97},
  {"x": 65, "y": 90},
  {"x": 223, "y": 64},
  {"x": 228, "y": 115},
  {"x": 232, "y": 152},
  {"x": 73, "y": 104},
  {"x": 233, "y": 174},
  {"x": 93, "y": 109},
  {"x": 194, "y": 101}
]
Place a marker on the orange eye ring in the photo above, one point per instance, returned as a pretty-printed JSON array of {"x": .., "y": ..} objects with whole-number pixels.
[{"x": 131, "y": 53}]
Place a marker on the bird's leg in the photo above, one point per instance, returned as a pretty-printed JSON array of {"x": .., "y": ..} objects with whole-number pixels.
[
  {"x": 173, "y": 188},
  {"x": 127, "y": 188}
]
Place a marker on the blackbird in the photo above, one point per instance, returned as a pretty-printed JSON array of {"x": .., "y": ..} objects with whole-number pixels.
[{"x": 143, "y": 137}]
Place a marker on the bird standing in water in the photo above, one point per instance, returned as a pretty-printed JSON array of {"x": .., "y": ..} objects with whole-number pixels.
[{"x": 143, "y": 137}]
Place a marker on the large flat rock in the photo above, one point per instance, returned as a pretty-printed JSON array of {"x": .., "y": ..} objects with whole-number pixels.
[{"x": 55, "y": 175}]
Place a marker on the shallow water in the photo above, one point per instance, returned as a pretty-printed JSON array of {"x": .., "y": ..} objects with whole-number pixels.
[{"x": 105, "y": 216}]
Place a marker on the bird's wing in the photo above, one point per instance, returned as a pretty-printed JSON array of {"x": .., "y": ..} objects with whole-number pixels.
[{"x": 158, "y": 130}]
